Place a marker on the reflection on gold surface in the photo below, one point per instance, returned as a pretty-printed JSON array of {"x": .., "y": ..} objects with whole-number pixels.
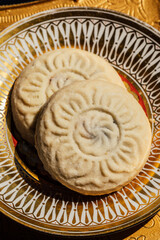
[
  {"x": 149, "y": 231},
  {"x": 145, "y": 10}
]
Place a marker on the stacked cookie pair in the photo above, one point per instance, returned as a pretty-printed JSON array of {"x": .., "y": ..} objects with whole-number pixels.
[{"x": 89, "y": 131}]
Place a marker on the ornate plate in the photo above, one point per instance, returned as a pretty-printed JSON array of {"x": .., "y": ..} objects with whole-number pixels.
[{"x": 132, "y": 48}]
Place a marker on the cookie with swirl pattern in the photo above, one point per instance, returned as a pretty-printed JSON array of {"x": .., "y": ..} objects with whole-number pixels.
[
  {"x": 93, "y": 141},
  {"x": 49, "y": 73}
]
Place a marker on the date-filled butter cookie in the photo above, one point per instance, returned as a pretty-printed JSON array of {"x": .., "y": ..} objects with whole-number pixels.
[
  {"x": 47, "y": 74},
  {"x": 93, "y": 137}
]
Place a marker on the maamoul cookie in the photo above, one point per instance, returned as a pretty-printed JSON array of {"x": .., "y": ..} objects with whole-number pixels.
[
  {"x": 93, "y": 141},
  {"x": 47, "y": 74}
]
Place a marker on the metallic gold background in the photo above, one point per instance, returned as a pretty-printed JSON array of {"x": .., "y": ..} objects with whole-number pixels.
[{"x": 145, "y": 10}]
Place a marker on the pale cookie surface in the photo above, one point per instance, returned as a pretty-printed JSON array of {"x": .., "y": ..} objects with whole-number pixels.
[
  {"x": 47, "y": 74},
  {"x": 93, "y": 137}
]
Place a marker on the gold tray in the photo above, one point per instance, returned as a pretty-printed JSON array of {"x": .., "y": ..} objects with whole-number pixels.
[
  {"x": 146, "y": 10},
  {"x": 132, "y": 48}
]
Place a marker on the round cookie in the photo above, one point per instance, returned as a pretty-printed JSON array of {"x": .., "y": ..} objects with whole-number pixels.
[
  {"x": 93, "y": 141},
  {"x": 47, "y": 74}
]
